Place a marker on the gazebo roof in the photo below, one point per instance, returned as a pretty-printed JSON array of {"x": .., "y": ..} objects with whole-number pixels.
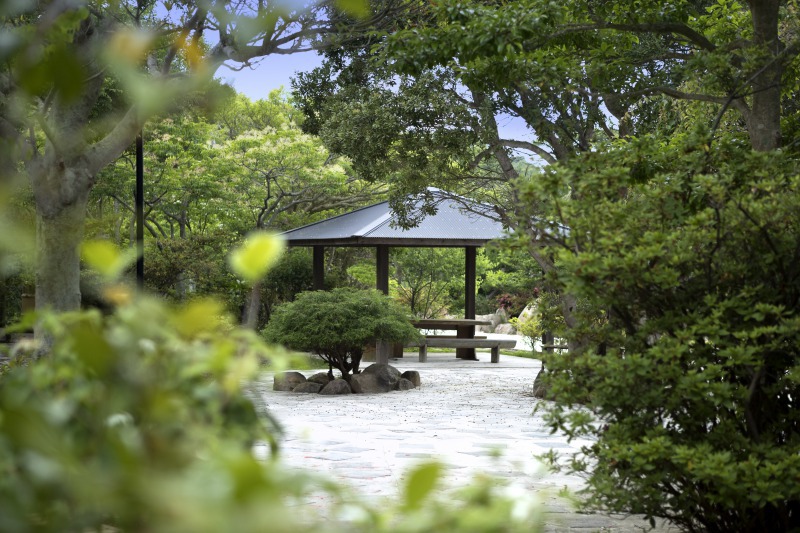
[{"x": 375, "y": 225}]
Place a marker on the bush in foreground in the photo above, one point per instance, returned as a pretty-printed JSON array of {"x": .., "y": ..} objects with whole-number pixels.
[
  {"x": 137, "y": 421},
  {"x": 685, "y": 264}
]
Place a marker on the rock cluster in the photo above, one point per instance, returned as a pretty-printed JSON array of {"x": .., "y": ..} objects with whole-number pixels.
[
  {"x": 375, "y": 378},
  {"x": 500, "y": 321}
]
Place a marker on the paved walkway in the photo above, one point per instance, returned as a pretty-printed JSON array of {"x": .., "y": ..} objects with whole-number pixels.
[{"x": 473, "y": 416}]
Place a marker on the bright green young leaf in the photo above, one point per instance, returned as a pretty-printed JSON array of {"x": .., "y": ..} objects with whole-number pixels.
[
  {"x": 106, "y": 258},
  {"x": 354, "y": 8},
  {"x": 200, "y": 316},
  {"x": 420, "y": 483},
  {"x": 252, "y": 260}
]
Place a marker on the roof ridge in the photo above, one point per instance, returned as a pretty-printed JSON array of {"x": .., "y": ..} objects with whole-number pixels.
[
  {"x": 334, "y": 217},
  {"x": 374, "y": 225}
]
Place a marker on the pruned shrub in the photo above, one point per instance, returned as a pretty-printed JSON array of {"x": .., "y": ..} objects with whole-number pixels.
[{"x": 337, "y": 325}]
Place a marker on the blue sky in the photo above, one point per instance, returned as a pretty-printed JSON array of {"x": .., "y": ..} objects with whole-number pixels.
[{"x": 270, "y": 73}]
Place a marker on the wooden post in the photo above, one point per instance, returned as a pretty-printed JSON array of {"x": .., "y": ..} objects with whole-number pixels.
[
  {"x": 382, "y": 268},
  {"x": 382, "y": 352},
  {"x": 319, "y": 268},
  {"x": 384, "y": 349},
  {"x": 470, "y": 259}
]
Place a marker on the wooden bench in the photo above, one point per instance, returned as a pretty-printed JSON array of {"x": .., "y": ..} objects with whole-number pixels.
[{"x": 439, "y": 341}]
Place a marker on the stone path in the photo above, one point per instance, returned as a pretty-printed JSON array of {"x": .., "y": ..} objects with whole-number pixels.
[{"x": 474, "y": 416}]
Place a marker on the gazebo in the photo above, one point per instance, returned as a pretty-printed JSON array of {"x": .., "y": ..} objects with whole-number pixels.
[{"x": 457, "y": 223}]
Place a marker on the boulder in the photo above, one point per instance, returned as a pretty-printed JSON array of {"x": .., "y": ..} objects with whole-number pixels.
[
  {"x": 321, "y": 378},
  {"x": 404, "y": 384},
  {"x": 368, "y": 384},
  {"x": 505, "y": 329},
  {"x": 309, "y": 387},
  {"x": 487, "y": 318},
  {"x": 502, "y": 316},
  {"x": 387, "y": 375},
  {"x": 412, "y": 376},
  {"x": 287, "y": 381},
  {"x": 528, "y": 313},
  {"x": 337, "y": 386}
]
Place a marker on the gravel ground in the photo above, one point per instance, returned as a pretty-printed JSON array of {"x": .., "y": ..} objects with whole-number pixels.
[{"x": 474, "y": 416}]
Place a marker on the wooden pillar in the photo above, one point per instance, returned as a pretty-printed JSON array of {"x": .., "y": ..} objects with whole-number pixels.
[
  {"x": 383, "y": 350},
  {"x": 382, "y": 268},
  {"x": 470, "y": 273},
  {"x": 319, "y": 268}
]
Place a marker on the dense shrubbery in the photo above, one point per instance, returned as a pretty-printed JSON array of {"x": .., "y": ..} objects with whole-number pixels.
[
  {"x": 138, "y": 421},
  {"x": 123, "y": 419},
  {"x": 337, "y": 325},
  {"x": 684, "y": 262}
]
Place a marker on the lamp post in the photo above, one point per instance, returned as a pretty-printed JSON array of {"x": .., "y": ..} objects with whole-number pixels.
[{"x": 139, "y": 208}]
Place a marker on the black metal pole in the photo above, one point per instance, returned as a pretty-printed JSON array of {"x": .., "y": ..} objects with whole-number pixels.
[{"x": 139, "y": 210}]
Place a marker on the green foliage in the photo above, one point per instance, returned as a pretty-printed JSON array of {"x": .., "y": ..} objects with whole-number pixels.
[
  {"x": 213, "y": 176},
  {"x": 178, "y": 268},
  {"x": 127, "y": 413},
  {"x": 430, "y": 281},
  {"x": 530, "y": 327},
  {"x": 138, "y": 420},
  {"x": 291, "y": 275},
  {"x": 484, "y": 505},
  {"x": 683, "y": 259},
  {"x": 258, "y": 253},
  {"x": 338, "y": 324},
  {"x": 514, "y": 272}
]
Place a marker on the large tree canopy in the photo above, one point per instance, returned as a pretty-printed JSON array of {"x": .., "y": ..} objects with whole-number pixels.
[{"x": 79, "y": 79}]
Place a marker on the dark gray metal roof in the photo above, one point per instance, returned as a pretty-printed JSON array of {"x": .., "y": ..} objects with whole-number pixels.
[{"x": 451, "y": 226}]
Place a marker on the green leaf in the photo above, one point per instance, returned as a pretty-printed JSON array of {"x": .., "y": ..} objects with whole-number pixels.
[
  {"x": 201, "y": 316},
  {"x": 106, "y": 258},
  {"x": 253, "y": 259},
  {"x": 421, "y": 483},
  {"x": 354, "y": 8}
]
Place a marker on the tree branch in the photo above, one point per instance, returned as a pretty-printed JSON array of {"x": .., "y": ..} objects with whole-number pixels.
[
  {"x": 673, "y": 28},
  {"x": 525, "y": 145}
]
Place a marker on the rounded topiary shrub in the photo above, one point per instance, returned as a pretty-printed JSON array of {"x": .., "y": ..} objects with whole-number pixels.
[{"x": 336, "y": 325}]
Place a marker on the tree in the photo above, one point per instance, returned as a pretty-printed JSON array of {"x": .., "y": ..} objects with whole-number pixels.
[
  {"x": 336, "y": 325},
  {"x": 688, "y": 291},
  {"x": 632, "y": 50},
  {"x": 213, "y": 175},
  {"x": 672, "y": 242},
  {"x": 62, "y": 58},
  {"x": 562, "y": 68}
]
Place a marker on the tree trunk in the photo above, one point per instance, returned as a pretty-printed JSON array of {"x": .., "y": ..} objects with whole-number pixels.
[
  {"x": 58, "y": 240},
  {"x": 251, "y": 307},
  {"x": 764, "y": 126}
]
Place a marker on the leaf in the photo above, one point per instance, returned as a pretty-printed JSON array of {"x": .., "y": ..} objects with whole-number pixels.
[
  {"x": 200, "y": 316},
  {"x": 91, "y": 347},
  {"x": 421, "y": 483},
  {"x": 106, "y": 258},
  {"x": 354, "y": 8},
  {"x": 253, "y": 259}
]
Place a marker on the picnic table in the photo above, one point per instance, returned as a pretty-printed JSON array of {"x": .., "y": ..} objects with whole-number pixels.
[{"x": 464, "y": 341}]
